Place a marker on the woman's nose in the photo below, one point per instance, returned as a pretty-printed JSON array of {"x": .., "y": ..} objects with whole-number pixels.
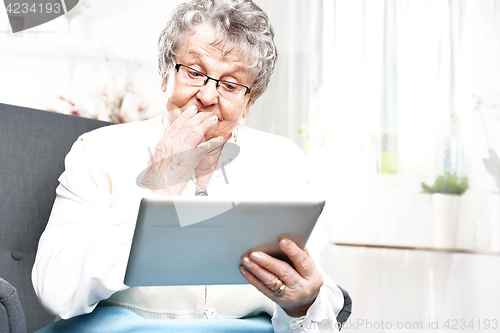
[{"x": 208, "y": 93}]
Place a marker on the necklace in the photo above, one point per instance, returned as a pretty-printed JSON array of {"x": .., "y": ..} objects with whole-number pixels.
[{"x": 200, "y": 192}]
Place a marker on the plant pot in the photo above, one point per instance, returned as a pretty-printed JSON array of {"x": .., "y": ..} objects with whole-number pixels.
[{"x": 444, "y": 220}]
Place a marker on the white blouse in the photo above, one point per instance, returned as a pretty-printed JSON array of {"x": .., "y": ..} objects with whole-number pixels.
[{"x": 82, "y": 255}]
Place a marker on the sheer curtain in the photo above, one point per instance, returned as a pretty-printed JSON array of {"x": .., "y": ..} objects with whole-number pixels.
[
  {"x": 397, "y": 108},
  {"x": 292, "y": 93}
]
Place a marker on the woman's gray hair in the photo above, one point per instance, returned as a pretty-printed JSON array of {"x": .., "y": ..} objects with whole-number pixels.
[{"x": 240, "y": 22}]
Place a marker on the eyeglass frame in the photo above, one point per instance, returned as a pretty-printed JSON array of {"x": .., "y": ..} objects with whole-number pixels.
[{"x": 217, "y": 82}]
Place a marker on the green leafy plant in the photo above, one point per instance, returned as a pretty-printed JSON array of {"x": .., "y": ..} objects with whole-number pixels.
[{"x": 448, "y": 184}]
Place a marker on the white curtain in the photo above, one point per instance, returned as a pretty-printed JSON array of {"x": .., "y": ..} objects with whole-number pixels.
[
  {"x": 397, "y": 108},
  {"x": 292, "y": 93}
]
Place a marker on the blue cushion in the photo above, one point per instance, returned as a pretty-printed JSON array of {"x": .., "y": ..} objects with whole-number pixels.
[{"x": 111, "y": 319}]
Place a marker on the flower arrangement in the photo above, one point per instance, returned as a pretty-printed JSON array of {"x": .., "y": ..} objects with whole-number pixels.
[
  {"x": 117, "y": 106},
  {"x": 120, "y": 103}
]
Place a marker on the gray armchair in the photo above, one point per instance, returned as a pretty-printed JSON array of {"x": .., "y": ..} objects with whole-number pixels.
[{"x": 33, "y": 145}]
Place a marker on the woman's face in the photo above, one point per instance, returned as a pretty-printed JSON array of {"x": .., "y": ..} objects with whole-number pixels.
[{"x": 196, "y": 52}]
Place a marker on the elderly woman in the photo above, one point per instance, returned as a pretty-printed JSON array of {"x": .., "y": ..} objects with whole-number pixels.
[{"x": 216, "y": 58}]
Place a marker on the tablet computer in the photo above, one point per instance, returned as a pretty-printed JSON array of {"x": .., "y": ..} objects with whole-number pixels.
[{"x": 201, "y": 240}]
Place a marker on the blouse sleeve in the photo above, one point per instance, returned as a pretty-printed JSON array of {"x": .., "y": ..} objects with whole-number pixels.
[{"x": 78, "y": 263}]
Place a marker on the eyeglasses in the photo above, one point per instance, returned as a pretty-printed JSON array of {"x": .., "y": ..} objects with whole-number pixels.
[{"x": 192, "y": 77}]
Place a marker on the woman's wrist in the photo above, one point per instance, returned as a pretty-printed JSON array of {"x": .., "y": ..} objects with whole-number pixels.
[
  {"x": 296, "y": 313},
  {"x": 301, "y": 310}
]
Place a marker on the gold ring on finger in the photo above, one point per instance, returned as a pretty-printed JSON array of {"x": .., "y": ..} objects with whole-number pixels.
[
  {"x": 280, "y": 291},
  {"x": 277, "y": 285}
]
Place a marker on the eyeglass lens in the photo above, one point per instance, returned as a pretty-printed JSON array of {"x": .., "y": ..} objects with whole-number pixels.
[{"x": 195, "y": 78}]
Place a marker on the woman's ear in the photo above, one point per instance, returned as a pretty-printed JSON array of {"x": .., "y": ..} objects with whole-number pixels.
[
  {"x": 247, "y": 109},
  {"x": 164, "y": 81}
]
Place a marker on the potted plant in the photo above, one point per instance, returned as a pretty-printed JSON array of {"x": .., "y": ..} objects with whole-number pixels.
[{"x": 445, "y": 202}]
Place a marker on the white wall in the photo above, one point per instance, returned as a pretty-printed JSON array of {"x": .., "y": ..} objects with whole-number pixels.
[{"x": 422, "y": 287}]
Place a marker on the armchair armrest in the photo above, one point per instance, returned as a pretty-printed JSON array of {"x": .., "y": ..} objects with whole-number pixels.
[
  {"x": 346, "y": 310},
  {"x": 11, "y": 312}
]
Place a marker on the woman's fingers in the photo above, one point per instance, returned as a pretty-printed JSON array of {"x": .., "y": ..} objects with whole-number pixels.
[
  {"x": 304, "y": 265},
  {"x": 257, "y": 283},
  {"x": 182, "y": 142},
  {"x": 265, "y": 276},
  {"x": 182, "y": 119},
  {"x": 181, "y": 148},
  {"x": 191, "y": 126},
  {"x": 195, "y": 128},
  {"x": 268, "y": 269},
  {"x": 263, "y": 272},
  {"x": 301, "y": 260}
]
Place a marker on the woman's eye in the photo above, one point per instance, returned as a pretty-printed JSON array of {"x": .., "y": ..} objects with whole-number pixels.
[
  {"x": 229, "y": 86},
  {"x": 195, "y": 74}
]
